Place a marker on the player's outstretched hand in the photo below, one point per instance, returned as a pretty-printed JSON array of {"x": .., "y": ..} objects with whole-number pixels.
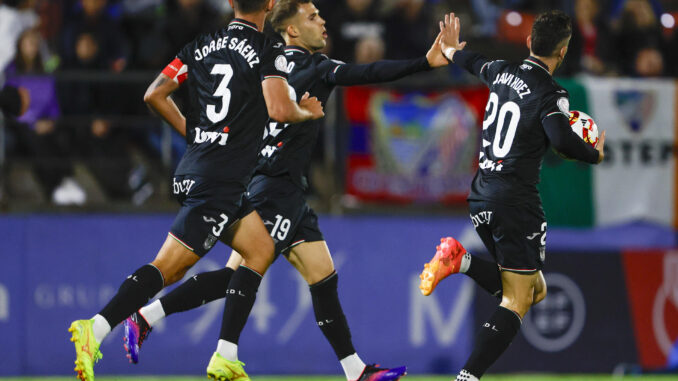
[
  {"x": 435, "y": 56},
  {"x": 449, "y": 41},
  {"x": 600, "y": 147},
  {"x": 312, "y": 105}
]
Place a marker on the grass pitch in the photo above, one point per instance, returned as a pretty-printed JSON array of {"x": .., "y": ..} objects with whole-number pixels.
[{"x": 512, "y": 377}]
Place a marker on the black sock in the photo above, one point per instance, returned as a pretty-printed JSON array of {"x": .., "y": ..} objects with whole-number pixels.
[
  {"x": 133, "y": 293},
  {"x": 330, "y": 317},
  {"x": 486, "y": 274},
  {"x": 241, "y": 293},
  {"x": 197, "y": 290},
  {"x": 492, "y": 340}
]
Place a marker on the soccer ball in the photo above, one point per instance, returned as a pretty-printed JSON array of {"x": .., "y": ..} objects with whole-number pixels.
[{"x": 584, "y": 126}]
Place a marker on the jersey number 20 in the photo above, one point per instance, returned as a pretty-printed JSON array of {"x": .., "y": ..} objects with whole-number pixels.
[
  {"x": 222, "y": 91},
  {"x": 501, "y": 150}
]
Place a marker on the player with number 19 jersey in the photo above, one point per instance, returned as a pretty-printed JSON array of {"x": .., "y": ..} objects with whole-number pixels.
[{"x": 224, "y": 132}]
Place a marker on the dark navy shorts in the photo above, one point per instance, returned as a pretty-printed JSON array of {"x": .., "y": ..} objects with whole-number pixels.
[
  {"x": 514, "y": 235},
  {"x": 282, "y": 205},
  {"x": 208, "y": 209}
]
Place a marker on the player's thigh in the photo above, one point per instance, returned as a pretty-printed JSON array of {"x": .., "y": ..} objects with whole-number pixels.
[
  {"x": 250, "y": 239},
  {"x": 173, "y": 260},
  {"x": 519, "y": 237},
  {"x": 312, "y": 260},
  {"x": 518, "y": 290},
  {"x": 481, "y": 214},
  {"x": 282, "y": 206},
  {"x": 209, "y": 210}
]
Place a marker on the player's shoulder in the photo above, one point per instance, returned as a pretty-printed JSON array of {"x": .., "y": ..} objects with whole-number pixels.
[
  {"x": 323, "y": 59},
  {"x": 495, "y": 65},
  {"x": 551, "y": 87}
]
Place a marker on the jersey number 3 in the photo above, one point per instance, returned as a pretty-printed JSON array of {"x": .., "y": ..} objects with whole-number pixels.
[
  {"x": 501, "y": 150},
  {"x": 222, "y": 91}
]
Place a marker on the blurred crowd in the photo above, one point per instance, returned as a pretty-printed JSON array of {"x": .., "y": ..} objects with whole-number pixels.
[{"x": 66, "y": 55}]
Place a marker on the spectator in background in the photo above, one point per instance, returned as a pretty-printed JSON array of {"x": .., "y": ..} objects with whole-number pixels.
[
  {"x": 348, "y": 22},
  {"x": 639, "y": 40},
  {"x": 409, "y": 29},
  {"x": 93, "y": 41},
  {"x": 36, "y": 132},
  {"x": 589, "y": 45},
  {"x": 15, "y": 17},
  {"x": 90, "y": 31},
  {"x": 187, "y": 19}
]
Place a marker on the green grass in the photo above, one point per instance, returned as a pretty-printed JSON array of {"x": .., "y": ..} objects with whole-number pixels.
[{"x": 513, "y": 377}]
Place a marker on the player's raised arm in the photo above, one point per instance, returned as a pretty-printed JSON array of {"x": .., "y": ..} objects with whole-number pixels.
[
  {"x": 454, "y": 51},
  {"x": 283, "y": 109},
  {"x": 386, "y": 70},
  {"x": 158, "y": 98}
]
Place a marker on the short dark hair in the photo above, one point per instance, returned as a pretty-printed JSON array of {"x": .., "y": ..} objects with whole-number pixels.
[
  {"x": 549, "y": 30},
  {"x": 249, "y": 6},
  {"x": 282, "y": 11}
]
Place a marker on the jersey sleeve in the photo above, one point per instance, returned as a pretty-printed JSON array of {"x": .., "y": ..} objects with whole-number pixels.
[
  {"x": 555, "y": 103},
  {"x": 477, "y": 64},
  {"x": 177, "y": 70},
  {"x": 566, "y": 141},
  {"x": 273, "y": 61},
  {"x": 381, "y": 71}
]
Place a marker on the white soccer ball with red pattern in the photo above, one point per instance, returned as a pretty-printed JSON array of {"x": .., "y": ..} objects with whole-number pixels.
[{"x": 584, "y": 126}]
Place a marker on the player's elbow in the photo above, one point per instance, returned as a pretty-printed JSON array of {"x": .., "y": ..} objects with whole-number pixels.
[{"x": 150, "y": 96}]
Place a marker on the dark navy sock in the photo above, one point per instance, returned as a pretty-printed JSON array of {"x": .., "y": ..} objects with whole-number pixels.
[
  {"x": 240, "y": 296},
  {"x": 330, "y": 316},
  {"x": 133, "y": 293},
  {"x": 492, "y": 339},
  {"x": 197, "y": 290}
]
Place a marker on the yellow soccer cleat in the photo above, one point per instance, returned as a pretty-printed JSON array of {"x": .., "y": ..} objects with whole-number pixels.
[
  {"x": 86, "y": 348},
  {"x": 447, "y": 261},
  {"x": 221, "y": 369}
]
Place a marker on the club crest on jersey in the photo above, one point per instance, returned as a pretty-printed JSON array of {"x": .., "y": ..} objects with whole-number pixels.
[
  {"x": 563, "y": 105},
  {"x": 210, "y": 137},
  {"x": 281, "y": 63},
  {"x": 210, "y": 241}
]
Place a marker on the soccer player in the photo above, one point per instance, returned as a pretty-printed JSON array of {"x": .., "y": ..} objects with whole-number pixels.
[
  {"x": 277, "y": 190},
  {"x": 525, "y": 112},
  {"x": 236, "y": 78}
]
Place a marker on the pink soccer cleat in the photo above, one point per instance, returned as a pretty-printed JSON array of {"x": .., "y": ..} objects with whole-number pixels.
[{"x": 446, "y": 261}]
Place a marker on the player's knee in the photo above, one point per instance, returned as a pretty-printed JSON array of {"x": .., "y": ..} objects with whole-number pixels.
[{"x": 519, "y": 304}]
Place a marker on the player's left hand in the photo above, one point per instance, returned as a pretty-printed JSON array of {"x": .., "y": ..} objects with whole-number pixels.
[
  {"x": 435, "y": 56},
  {"x": 449, "y": 41}
]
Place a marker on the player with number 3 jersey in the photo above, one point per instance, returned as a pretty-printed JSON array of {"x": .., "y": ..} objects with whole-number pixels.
[
  {"x": 277, "y": 190},
  {"x": 237, "y": 79}
]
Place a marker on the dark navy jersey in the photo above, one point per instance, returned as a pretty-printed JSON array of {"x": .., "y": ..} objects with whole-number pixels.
[
  {"x": 522, "y": 96},
  {"x": 287, "y": 148},
  {"x": 227, "y": 112}
]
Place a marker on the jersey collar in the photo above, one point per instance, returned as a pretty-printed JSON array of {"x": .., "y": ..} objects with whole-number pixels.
[
  {"x": 536, "y": 62},
  {"x": 244, "y": 23},
  {"x": 291, "y": 49}
]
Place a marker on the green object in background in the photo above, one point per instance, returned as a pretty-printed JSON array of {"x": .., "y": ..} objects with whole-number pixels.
[{"x": 566, "y": 186}]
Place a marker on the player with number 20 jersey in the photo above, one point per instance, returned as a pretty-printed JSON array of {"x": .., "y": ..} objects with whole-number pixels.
[{"x": 526, "y": 112}]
